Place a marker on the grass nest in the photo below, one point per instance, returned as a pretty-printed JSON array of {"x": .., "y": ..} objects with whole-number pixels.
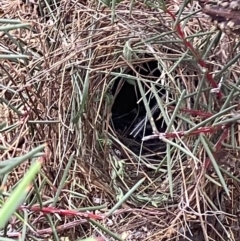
[{"x": 137, "y": 104}]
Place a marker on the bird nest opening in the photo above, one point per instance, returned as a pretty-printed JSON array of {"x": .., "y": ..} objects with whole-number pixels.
[{"x": 129, "y": 111}]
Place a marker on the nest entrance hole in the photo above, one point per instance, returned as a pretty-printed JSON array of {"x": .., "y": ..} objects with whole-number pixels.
[{"x": 128, "y": 112}]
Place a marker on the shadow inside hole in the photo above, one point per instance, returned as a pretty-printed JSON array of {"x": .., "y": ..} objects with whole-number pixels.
[{"x": 127, "y": 113}]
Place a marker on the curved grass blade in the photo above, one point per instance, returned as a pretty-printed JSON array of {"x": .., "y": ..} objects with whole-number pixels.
[{"x": 19, "y": 194}]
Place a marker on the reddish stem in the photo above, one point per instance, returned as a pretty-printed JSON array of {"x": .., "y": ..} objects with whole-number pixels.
[
  {"x": 195, "y": 53},
  {"x": 194, "y": 112},
  {"x": 206, "y": 129},
  {"x": 62, "y": 212},
  {"x": 221, "y": 139}
]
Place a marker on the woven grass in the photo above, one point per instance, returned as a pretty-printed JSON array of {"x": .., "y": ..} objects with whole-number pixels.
[{"x": 58, "y": 90}]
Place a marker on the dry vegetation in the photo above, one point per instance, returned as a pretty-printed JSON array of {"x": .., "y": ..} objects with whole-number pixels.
[{"x": 56, "y": 76}]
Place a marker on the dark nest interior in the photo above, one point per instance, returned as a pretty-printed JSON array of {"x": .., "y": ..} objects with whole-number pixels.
[{"x": 129, "y": 116}]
